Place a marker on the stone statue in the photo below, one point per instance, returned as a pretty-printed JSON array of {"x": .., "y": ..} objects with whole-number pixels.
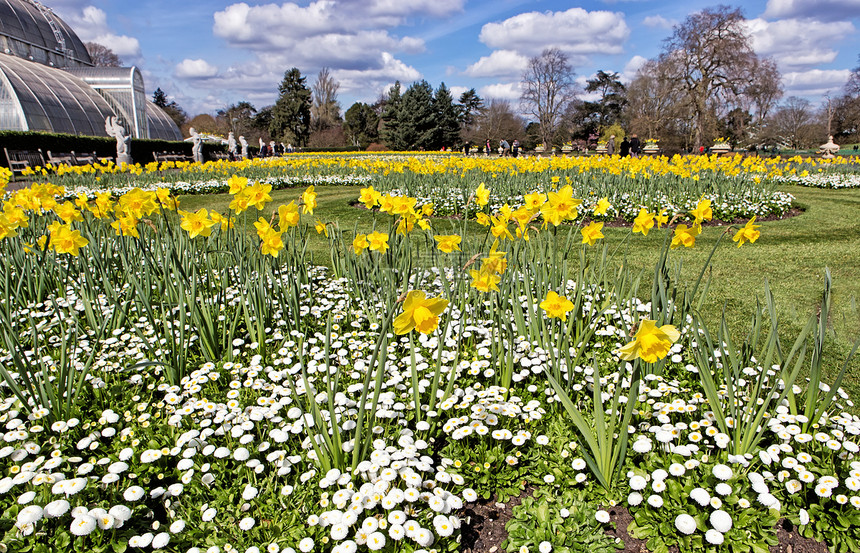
[
  {"x": 829, "y": 150},
  {"x": 244, "y": 144},
  {"x": 197, "y": 148},
  {"x": 114, "y": 129},
  {"x": 272, "y": 148},
  {"x": 231, "y": 145}
]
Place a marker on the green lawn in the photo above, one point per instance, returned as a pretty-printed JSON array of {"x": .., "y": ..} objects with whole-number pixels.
[{"x": 791, "y": 254}]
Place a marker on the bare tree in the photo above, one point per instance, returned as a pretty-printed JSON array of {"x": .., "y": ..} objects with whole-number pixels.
[
  {"x": 547, "y": 90},
  {"x": 498, "y": 121},
  {"x": 764, "y": 90},
  {"x": 653, "y": 99},
  {"x": 325, "y": 109},
  {"x": 793, "y": 124},
  {"x": 102, "y": 56},
  {"x": 715, "y": 63}
]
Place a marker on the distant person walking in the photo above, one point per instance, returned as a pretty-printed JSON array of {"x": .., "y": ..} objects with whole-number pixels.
[
  {"x": 515, "y": 148},
  {"x": 635, "y": 146},
  {"x": 505, "y": 147},
  {"x": 487, "y": 150},
  {"x": 624, "y": 148},
  {"x": 610, "y": 146}
]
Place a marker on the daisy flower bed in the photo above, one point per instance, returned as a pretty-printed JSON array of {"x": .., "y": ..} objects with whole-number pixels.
[{"x": 173, "y": 384}]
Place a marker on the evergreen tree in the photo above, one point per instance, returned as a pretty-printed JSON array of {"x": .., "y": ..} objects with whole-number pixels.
[
  {"x": 291, "y": 116},
  {"x": 446, "y": 119},
  {"x": 417, "y": 124},
  {"x": 391, "y": 124},
  {"x": 172, "y": 109},
  {"x": 471, "y": 105},
  {"x": 361, "y": 125}
]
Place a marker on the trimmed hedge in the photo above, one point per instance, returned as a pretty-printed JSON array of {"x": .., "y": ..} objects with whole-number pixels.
[{"x": 141, "y": 150}]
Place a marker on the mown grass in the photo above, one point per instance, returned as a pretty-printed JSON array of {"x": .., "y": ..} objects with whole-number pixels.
[{"x": 791, "y": 255}]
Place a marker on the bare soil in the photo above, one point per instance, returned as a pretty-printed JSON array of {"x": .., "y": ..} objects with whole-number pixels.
[{"x": 483, "y": 529}]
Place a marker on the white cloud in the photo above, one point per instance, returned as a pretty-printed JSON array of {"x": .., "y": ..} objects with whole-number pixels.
[
  {"x": 575, "y": 31},
  {"x": 195, "y": 69},
  {"x": 457, "y": 91},
  {"x": 405, "y": 8},
  {"x": 659, "y": 22},
  {"x": 352, "y": 37},
  {"x": 797, "y": 44},
  {"x": 815, "y": 82},
  {"x": 825, "y": 10},
  {"x": 369, "y": 83},
  {"x": 90, "y": 24},
  {"x": 501, "y": 91},
  {"x": 632, "y": 67},
  {"x": 501, "y": 63}
]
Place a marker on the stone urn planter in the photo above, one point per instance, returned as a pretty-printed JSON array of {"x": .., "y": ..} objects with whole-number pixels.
[
  {"x": 651, "y": 149},
  {"x": 601, "y": 149},
  {"x": 721, "y": 148},
  {"x": 540, "y": 148}
]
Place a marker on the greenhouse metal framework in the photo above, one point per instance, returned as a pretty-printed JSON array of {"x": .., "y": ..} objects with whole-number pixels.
[{"x": 49, "y": 83}]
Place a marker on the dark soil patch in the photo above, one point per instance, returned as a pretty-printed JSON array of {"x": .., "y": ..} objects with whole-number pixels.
[
  {"x": 484, "y": 521},
  {"x": 793, "y": 212},
  {"x": 790, "y": 541},
  {"x": 621, "y": 222}
]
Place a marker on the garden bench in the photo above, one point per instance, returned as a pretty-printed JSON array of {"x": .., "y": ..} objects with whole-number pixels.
[
  {"x": 170, "y": 156},
  {"x": 89, "y": 158},
  {"x": 19, "y": 160},
  {"x": 61, "y": 158},
  {"x": 220, "y": 156}
]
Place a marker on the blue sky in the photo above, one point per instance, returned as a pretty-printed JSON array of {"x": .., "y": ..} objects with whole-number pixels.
[{"x": 209, "y": 54}]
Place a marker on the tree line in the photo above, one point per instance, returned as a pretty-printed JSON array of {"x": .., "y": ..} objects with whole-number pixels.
[{"x": 706, "y": 83}]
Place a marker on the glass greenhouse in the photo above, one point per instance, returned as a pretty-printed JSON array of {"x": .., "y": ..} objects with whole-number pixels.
[{"x": 48, "y": 82}]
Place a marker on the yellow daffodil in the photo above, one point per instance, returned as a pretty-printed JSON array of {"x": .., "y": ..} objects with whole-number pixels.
[
  {"x": 288, "y": 216},
  {"x": 482, "y": 195},
  {"x": 7, "y": 229},
  {"x": 237, "y": 184},
  {"x": 258, "y": 195},
  {"x": 359, "y": 244},
  {"x": 650, "y": 343},
  {"x": 601, "y": 207},
  {"x": 420, "y": 313},
  {"x": 534, "y": 201},
  {"x": 321, "y": 228},
  {"x": 369, "y": 197},
  {"x": 747, "y": 233},
  {"x": 592, "y": 233},
  {"x": 66, "y": 240},
  {"x": 485, "y": 279},
  {"x": 126, "y": 225},
  {"x": 495, "y": 262},
  {"x": 685, "y": 236},
  {"x": 68, "y": 212},
  {"x": 270, "y": 242},
  {"x": 483, "y": 219},
  {"x": 703, "y": 211},
  {"x": 448, "y": 243},
  {"x": 556, "y": 307},
  {"x": 560, "y": 206},
  {"x": 644, "y": 222},
  {"x": 196, "y": 224},
  {"x": 137, "y": 203},
  {"x": 499, "y": 228},
  {"x": 661, "y": 218},
  {"x": 378, "y": 241},
  {"x": 309, "y": 200}
]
